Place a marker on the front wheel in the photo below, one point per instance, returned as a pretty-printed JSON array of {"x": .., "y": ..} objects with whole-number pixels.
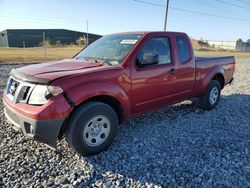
[
  {"x": 92, "y": 128},
  {"x": 212, "y": 96}
]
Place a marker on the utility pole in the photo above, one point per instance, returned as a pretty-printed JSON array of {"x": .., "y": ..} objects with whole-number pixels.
[
  {"x": 166, "y": 15},
  {"x": 87, "y": 33},
  {"x": 44, "y": 46}
]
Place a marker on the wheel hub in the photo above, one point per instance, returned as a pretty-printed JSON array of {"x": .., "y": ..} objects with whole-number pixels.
[
  {"x": 214, "y": 94},
  {"x": 97, "y": 130}
]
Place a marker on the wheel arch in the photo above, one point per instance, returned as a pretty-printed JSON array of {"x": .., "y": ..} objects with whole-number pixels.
[
  {"x": 220, "y": 78},
  {"x": 106, "y": 99},
  {"x": 216, "y": 73},
  {"x": 111, "y": 101}
]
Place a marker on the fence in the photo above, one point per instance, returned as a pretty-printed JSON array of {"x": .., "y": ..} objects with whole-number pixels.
[
  {"x": 37, "y": 54},
  {"x": 42, "y": 45}
]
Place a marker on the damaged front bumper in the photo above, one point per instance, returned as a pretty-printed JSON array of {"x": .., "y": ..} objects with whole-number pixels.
[{"x": 45, "y": 131}]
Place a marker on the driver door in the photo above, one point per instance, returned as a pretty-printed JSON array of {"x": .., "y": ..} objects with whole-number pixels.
[{"x": 151, "y": 84}]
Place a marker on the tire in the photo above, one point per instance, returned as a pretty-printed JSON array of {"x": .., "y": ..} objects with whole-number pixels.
[
  {"x": 92, "y": 128},
  {"x": 212, "y": 96}
]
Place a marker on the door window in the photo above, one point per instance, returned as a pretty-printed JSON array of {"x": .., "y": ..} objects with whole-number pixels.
[{"x": 159, "y": 46}]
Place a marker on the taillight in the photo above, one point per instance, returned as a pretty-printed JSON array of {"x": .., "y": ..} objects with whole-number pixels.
[{"x": 234, "y": 66}]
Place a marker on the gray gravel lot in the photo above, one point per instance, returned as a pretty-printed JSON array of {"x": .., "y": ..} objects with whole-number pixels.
[{"x": 179, "y": 146}]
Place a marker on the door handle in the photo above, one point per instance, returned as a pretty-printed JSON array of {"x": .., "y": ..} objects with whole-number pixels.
[{"x": 172, "y": 71}]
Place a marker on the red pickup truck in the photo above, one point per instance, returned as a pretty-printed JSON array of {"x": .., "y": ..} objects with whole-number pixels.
[{"x": 118, "y": 77}]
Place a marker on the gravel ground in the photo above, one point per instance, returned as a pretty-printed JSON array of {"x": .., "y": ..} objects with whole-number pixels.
[{"x": 179, "y": 146}]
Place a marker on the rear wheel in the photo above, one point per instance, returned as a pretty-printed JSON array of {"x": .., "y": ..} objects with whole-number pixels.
[
  {"x": 92, "y": 128},
  {"x": 212, "y": 96}
]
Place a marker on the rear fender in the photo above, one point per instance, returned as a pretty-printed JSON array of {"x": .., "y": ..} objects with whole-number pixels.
[{"x": 209, "y": 76}]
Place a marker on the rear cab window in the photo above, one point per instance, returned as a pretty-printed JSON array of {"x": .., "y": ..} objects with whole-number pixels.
[{"x": 184, "y": 53}]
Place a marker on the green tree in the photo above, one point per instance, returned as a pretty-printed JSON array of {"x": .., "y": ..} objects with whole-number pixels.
[
  {"x": 239, "y": 41},
  {"x": 46, "y": 43},
  {"x": 239, "y": 44},
  {"x": 81, "y": 41},
  {"x": 58, "y": 43}
]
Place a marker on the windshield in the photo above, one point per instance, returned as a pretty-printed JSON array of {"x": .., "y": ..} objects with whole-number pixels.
[{"x": 111, "y": 48}]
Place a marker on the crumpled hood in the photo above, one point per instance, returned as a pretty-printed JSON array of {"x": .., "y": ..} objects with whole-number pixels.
[{"x": 45, "y": 72}]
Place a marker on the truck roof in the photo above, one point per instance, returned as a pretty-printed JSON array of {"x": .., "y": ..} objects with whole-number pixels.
[{"x": 147, "y": 32}]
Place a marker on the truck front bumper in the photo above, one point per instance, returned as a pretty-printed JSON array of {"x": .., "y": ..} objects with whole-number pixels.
[{"x": 45, "y": 131}]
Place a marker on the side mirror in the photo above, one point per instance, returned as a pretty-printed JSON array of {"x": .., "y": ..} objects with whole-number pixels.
[{"x": 149, "y": 58}]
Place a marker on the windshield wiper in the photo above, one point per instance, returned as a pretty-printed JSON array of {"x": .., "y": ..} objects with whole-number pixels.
[{"x": 97, "y": 60}]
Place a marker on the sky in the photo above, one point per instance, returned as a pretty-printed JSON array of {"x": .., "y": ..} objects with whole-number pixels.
[{"x": 226, "y": 20}]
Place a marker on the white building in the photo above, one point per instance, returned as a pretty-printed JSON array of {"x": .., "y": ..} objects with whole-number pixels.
[{"x": 226, "y": 45}]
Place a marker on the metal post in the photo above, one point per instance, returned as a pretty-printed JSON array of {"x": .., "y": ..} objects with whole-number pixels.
[
  {"x": 166, "y": 16},
  {"x": 44, "y": 46},
  {"x": 24, "y": 51},
  {"x": 5, "y": 36},
  {"x": 87, "y": 33}
]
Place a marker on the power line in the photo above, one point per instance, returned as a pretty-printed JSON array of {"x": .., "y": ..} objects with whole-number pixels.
[
  {"x": 30, "y": 16},
  {"x": 55, "y": 20},
  {"x": 215, "y": 7},
  {"x": 40, "y": 23},
  {"x": 242, "y": 1},
  {"x": 194, "y": 12},
  {"x": 13, "y": 19},
  {"x": 159, "y": 5},
  {"x": 232, "y": 4},
  {"x": 208, "y": 14},
  {"x": 149, "y": 3}
]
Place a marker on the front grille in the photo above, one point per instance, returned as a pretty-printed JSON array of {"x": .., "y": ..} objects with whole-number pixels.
[
  {"x": 12, "y": 86},
  {"x": 18, "y": 91}
]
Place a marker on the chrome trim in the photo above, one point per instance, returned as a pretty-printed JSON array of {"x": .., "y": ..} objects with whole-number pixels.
[{"x": 16, "y": 98}]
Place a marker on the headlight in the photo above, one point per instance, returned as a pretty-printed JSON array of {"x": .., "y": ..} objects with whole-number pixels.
[
  {"x": 38, "y": 94},
  {"x": 41, "y": 94}
]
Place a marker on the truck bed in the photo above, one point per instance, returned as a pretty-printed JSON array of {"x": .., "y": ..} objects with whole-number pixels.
[
  {"x": 206, "y": 65},
  {"x": 217, "y": 59}
]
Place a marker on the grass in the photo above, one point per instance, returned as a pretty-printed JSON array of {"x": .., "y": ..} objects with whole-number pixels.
[
  {"x": 13, "y": 55},
  {"x": 222, "y": 53},
  {"x": 37, "y": 54}
]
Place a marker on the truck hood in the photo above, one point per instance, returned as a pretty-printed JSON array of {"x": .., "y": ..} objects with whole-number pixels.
[{"x": 44, "y": 73}]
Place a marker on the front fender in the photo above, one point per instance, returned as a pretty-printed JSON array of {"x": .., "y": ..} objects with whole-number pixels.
[{"x": 83, "y": 92}]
